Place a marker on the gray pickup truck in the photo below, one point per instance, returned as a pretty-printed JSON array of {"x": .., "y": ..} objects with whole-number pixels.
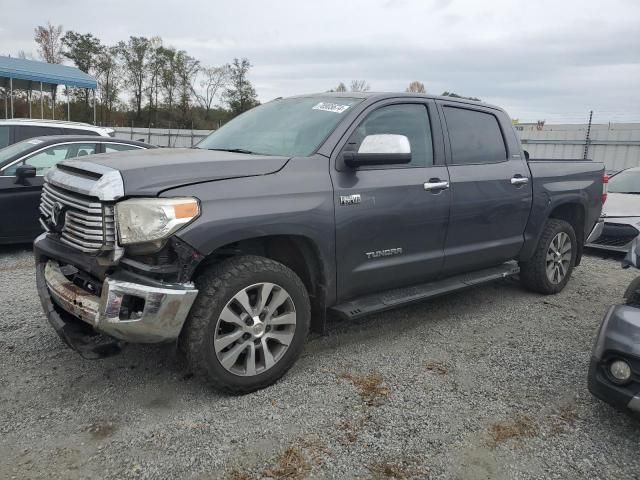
[{"x": 342, "y": 204}]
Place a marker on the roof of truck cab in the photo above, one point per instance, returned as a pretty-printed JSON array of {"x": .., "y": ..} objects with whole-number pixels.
[{"x": 385, "y": 95}]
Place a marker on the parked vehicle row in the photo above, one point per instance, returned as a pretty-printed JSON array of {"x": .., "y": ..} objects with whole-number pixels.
[
  {"x": 621, "y": 213},
  {"x": 334, "y": 203},
  {"x": 22, "y": 169},
  {"x": 18, "y": 129}
]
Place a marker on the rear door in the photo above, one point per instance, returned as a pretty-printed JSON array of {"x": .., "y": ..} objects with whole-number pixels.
[
  {"x": 19, "y": 202},
  {"x": 490, "y": 189},
  {"x": 390, "y": 230}
]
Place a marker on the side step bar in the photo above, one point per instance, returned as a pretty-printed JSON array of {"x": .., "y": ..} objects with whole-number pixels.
[{"x": 389, "y": 299}]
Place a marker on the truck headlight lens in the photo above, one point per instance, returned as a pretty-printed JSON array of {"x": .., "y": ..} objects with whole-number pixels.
[{"x": 142, "y": 220}]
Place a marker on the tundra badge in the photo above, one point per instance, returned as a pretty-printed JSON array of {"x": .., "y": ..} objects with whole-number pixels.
[
  {"x": 350, "y": 199},
  {"x": 384, "y": 253}
]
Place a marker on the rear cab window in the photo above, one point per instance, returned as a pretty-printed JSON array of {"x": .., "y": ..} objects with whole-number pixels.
[{"x": 475, "y": 136}]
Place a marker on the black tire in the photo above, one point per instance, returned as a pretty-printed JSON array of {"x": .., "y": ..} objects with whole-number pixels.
[
  {"x": 217, "y": 285},
  {"x": 533, "y": 273}
]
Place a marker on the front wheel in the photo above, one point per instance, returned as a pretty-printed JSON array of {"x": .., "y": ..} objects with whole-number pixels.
[
  {"x": 248, "y": 325},
  {"x": 551, "y": 265}
]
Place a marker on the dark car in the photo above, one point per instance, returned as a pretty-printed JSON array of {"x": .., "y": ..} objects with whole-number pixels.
[
  {"x": 22, "y": 169},
  {"x": 614, "y": 374}
]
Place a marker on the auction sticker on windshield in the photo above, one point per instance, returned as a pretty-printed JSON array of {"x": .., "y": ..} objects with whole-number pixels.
[{"x": 330, "y": 107}]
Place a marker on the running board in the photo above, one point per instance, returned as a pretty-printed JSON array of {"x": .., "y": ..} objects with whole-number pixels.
[{"x": 389, "y": 299}]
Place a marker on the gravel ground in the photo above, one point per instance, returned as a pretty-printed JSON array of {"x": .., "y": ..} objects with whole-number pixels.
[{"x": 487, "y": 383}]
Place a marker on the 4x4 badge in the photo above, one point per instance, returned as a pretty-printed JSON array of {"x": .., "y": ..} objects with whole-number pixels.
[{"x": 350, "y": 199}]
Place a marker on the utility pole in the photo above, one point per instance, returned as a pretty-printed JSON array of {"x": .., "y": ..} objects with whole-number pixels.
[{"x": 587, "y": 140}]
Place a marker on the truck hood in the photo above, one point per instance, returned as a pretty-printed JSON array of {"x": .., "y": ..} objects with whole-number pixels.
[
  {"x": 621, "y": 205},
  {"x": 149, "y": 172}
]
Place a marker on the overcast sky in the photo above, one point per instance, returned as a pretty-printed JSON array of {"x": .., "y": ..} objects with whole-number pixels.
[{"x": 539, "y": 59}]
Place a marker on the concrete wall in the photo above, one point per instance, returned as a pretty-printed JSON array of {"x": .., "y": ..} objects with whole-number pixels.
[{"x": 617, "y": 145}]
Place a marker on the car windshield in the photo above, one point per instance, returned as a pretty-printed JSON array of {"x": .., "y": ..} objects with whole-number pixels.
[
  {"x": 17, "y": 148},
  {"x": 289, "y": 127},
  {"x": 625, "y": 182}
]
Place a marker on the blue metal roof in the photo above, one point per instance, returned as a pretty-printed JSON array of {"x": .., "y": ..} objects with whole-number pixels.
[{"x": 49, "y": 73}]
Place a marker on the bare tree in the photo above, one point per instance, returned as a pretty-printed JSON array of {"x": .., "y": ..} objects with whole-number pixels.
[
  {"x": 360, "y": 86},
  {"x": 49, "y": 40},
  {"x": 341, "y": 87},
  {"x": 155, "y": 66},
  {"x": 213, "y": 80},
  {"x": 416, "y": 87}
]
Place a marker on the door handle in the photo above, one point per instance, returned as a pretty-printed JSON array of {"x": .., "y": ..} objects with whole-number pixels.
[
  {"x": 519, "y": 180},
  {"x": 435, "y": 184}
]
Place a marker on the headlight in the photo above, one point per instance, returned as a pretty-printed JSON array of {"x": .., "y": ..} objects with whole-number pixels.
[{"x": 142, "y": 220}]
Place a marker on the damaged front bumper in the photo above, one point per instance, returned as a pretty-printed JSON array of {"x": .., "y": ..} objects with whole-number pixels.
[{"x": 127, "y": 309}]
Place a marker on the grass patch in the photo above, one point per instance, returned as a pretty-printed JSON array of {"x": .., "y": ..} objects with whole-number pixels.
[
  {"x": 371, "y": 388},
  {"x": 521, "y": 427}
]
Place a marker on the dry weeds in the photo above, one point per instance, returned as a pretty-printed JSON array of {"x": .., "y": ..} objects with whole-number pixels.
[
  {"x": 371, "y": 388},
  {"x": 437, "y": 367},
  {"x": 521, "y": 427}
]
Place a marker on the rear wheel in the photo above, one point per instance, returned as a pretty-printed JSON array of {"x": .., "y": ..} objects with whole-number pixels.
[
  {"x": 248, "y": 325},
  {"x": 550, "y": 268}
]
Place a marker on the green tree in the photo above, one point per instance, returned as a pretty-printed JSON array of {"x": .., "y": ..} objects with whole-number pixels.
[
  {"x": 135, "y": 56},
  {"x": 108, "y": 73},
  {"x": 186, "y": 70},
  {"x": 83, "y": 50},
  {"x": 240, "y": 94}
]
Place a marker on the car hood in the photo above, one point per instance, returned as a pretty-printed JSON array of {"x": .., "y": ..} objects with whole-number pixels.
[
  {"x": 621, "y": 205},
  {"x": 149, "y": 172}
]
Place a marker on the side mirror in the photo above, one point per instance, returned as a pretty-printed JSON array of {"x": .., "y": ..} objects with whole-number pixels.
[
  {"x": 526, "y": 155},
  {"x": 381, "y": 149},
  {"x": 23, "y": 172}
]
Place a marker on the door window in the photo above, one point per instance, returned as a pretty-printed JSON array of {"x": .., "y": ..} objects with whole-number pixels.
[
  {"x": 4, "y": 136},
  {"x": 22, "y": 132},
  {"x": 118, "y": 147},
  {"x": 475, "y": 137},
  {"x": 48, "y": 157},
  {"x": 410, "y": 120}
]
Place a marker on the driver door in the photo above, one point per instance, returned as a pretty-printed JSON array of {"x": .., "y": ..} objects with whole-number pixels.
[
  {"x": 20, "y": 198},
  {"x": 390, "y": 225}
]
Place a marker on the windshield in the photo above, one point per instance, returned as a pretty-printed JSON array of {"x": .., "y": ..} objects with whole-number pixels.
[
  {"x": 290, "y": 127},
  {"x": 17, "y": 148},
  {"x": 625, "y": 182}
]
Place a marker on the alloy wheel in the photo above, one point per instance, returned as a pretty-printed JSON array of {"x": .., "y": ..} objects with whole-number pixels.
[
  {"x": 255, "y": 329},
  {"x": 558, "y": 258}
]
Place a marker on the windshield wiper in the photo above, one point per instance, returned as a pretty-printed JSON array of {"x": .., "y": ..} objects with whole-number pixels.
[
  {"x": 628, "y": 193},
  {"x": 234, "y": 150}
]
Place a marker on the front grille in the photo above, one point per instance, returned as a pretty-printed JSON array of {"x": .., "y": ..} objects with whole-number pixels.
[
  {"x": 84, "y": 222},
  {"x": 616, "y": 235}
]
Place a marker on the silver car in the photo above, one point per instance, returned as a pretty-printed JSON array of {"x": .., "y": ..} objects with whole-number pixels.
[{"x": 621, "y": 212}]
